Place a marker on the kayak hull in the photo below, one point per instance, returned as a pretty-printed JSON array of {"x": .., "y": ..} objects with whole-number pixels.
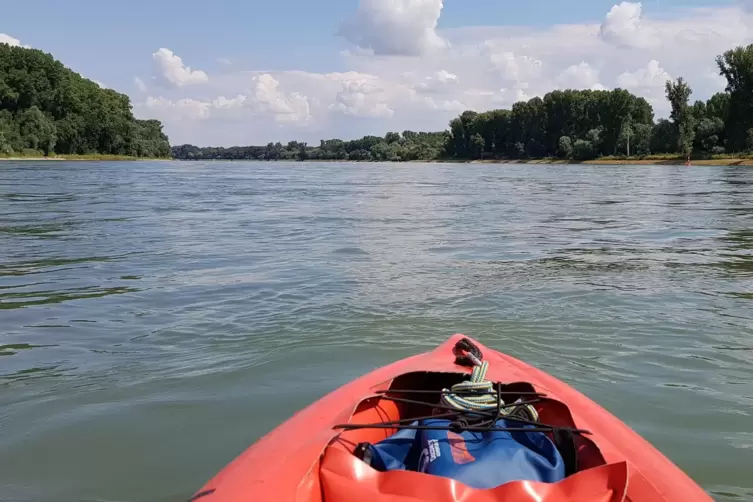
[{"x": 305, "y": 458}]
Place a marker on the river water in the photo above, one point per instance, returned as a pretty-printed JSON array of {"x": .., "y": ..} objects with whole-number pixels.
[{"x": 157, "y": 318}]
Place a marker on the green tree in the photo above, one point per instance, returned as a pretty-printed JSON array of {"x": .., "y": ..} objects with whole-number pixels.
[
  {"x": 392, "y": 137},
  {"x": 640, "y": 141},
  {"x": 664, "y": 137},
  {"x": 565, "y": 147},
  {"x": 584, "y": 150},
  {"x": 46, "y": 106},
  {"x": 37, "y": 130},
  {"x": 626, "y": 136},
  {"x": 5, "y": 147},
  {"x": 718, "y": 106},
  {"x": 708, "y": 134},
  {"x": 678, "y": 94},
  {"x": 736, "y": 66},
  {"x": 477, "y": 146}
]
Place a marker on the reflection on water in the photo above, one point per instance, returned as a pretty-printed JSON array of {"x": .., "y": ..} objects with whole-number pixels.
[
  {"x": 143, "y": 305},
  {"x": 26, "y": 299}
]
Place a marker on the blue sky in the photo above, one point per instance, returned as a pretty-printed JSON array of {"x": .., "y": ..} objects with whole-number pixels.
[{"x": 114, "y": 42}]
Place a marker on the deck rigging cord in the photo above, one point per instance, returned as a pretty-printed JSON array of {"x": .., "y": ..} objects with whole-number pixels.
[
  {"x": 479, "y": 394},
  {"x": 475, "y": 404}
]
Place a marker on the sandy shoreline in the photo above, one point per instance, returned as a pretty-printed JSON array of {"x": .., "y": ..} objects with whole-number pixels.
[
  {"x": 31, "y": 158},
  {"x": 629, "y": 162},
  {"x": 79, "y": 159},
  {"x": 598, "y": 162}
]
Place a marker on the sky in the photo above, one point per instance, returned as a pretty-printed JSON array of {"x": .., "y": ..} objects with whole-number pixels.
[{"x": 227, "y": 73}]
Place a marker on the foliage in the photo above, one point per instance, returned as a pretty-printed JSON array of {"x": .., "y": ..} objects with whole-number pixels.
[
  {"x": 393, "y": 147},
  {"x": 584, "y": 150},
  {"x": 550, "y": 126},
  {"x": 569, "y": 124},
  {"x": 736, "y": 65},
  {"x": 682, "y": 116},
  {"x": 565, "y": 147},
  {"x": 46, "y": 107}
]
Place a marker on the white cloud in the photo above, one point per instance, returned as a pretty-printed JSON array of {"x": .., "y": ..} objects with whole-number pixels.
[
  {"x": 13, "y": 42},
  {"x": 223, "y": 103},
  {"x": 395, "y": 27},
  {"x": 361, "y": 98},
  {"x": 182, "y": 109},
  {"x": 624, "y": 26},
  {"x": 100, "y": 84},
  {"x": 140, "y": 85},
  {"x": 516, "y": 68},
  {"x": 448, "y": 105},
  {"x": 506, "y": 97},
  {"x": 580, "y": 76},
  {"x": 440, "y": 81},
  {"x": 172, "y": 72},
  {"x": 224, "y": 60},
  {"x": 194, "y": 109},
  {"x": 649, "y": 82},
  {"x": 476, "y": 68},
  {"x": 651, "y": 77},
  {"x": 293, "y": 107}
]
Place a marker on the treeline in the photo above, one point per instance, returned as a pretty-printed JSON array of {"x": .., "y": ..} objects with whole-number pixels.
[
  {"x": 585, "y": 125},
  {"x": 569, "y": 124},
  {"x": 50, "y": 109},
  {"x": 393, "y": 147}
]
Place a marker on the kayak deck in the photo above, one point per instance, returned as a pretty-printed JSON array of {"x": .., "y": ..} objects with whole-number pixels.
[{"x": 315, "y": 455}]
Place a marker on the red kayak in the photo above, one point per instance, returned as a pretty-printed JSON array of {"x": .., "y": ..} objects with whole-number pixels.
[{"x": 459, "y": 423}]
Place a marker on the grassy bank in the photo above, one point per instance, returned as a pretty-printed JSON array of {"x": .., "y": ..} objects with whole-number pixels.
[
  {"x": 95, "y": 156},
  {"x": 615, "y": 160},
  {"x": 662, "y": 160}
]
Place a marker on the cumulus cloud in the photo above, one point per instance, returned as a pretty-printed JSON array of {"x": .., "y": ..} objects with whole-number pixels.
[
  {"x": 624, "y": 26},
  {"x": 182, "y": 109},
  {"x": 506, "y": 97},
  {"x": 649, "y": 82},
  {"x": 360, "y": 98},
  {"x": 395, "y": 27},
  {"x": 170, "y": 71},
  {"x": 13, "y": 42},
  {"x": 515, "y": 68},
  {"x": 478, "y": 68},
  {"x": 187, "y": 109},
  {"x": 580, "y": 76},
  {"x": 140, "y": 85},
  {"x": 652, "y": 76},
  {"x": 439, "y": 81},
  {"x": 293, "y": 107},
  {"x": 447, "y": 105},
  {"x": 223, "y": 103}
]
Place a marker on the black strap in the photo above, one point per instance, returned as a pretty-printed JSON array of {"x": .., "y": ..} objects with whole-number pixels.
[
  {"x": 461, "y": 351},
  {"x": 201, "y": 494},
  {"x": 564, "y": 440},
  {"x": 363, "y": 452}
]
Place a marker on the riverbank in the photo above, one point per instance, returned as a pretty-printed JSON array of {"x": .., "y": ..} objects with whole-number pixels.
[
  {"x": 605, "y": 161},
  {"x": 652, "y": 160},
  {"x": 77, "y": 157}
]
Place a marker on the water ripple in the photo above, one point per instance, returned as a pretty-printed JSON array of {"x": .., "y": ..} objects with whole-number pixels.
[{"x": 144, "y": 304}]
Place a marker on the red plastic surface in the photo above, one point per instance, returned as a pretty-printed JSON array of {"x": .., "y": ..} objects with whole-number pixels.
[
  {"x": 345, "y": 478},
  {"x": 286, "y": 464}
]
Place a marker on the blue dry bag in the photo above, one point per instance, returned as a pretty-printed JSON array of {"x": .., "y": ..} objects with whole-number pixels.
[{"x": 478, "y": 459}]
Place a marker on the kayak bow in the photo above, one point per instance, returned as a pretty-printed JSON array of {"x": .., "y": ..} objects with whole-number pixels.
[{"x": 488, "y": 428}]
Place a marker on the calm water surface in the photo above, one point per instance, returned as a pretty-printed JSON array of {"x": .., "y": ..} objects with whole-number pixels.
[{"x": 157, "y": 318}]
